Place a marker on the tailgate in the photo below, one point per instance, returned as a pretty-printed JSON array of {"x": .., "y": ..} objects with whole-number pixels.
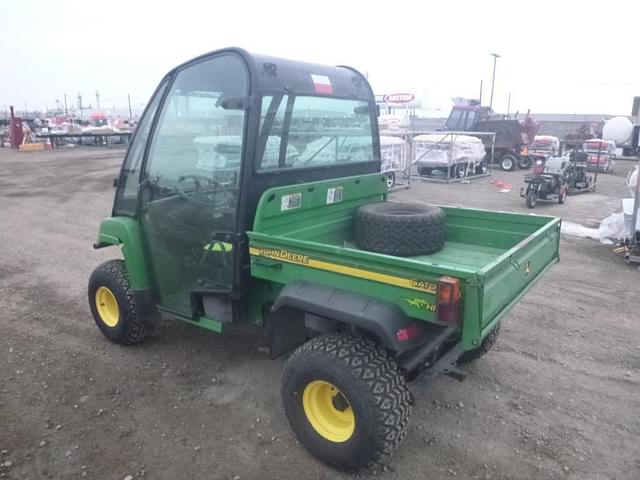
[{"x": 509, "y": 277}]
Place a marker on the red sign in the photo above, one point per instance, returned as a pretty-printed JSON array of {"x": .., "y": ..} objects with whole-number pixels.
[{"x": 399, "y": 98}]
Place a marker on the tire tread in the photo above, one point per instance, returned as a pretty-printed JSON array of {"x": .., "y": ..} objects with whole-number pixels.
[
  {"x": 133, "y": 329},
  {"x": 378, "y": 229},
  {"x": 370, "y": 363}
]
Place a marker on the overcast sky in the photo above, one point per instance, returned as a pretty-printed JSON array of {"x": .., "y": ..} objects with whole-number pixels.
[{"x": 557, "y": 56}]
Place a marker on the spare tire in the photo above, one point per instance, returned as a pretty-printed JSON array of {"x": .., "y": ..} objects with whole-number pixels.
[{"x": 400, "y": 229}]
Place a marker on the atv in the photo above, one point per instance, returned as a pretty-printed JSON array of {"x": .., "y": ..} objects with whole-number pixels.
[{"x": 549, "y": 181}]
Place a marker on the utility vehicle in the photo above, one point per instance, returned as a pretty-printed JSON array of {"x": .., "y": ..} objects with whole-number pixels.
[{"x": 238, "y": 202}]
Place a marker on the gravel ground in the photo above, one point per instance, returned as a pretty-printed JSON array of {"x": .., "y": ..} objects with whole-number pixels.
[{"x": 558, "y": 397}]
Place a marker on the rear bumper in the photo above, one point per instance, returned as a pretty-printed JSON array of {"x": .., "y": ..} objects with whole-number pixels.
[
  {"x": 415, "y": 360},
  {"x": 446, "y": 364}
]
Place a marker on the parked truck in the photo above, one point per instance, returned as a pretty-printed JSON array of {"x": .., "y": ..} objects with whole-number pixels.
[
  {"x": 287, "y": 228},
  {"x": 512, "y": 138}
]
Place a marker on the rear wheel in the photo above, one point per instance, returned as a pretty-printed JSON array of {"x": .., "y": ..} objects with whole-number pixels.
[
  {"x": 532, "y": 199},
  {"x": 486, "y": 345},
  {"x": 346, "y": 401},
  {"x": 481, "y": 168},
  {"x": 508, "y": 162},
  {"x": 113, "y": 304}
]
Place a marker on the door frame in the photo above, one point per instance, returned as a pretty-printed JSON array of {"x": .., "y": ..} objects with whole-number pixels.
[{"x": 237, "y": 237}]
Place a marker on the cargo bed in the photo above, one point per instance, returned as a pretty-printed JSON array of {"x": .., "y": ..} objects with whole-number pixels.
[{"x": 497, "y": 256}]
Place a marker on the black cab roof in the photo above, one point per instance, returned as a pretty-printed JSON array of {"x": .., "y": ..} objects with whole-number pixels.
[{"x": 274, "y": 75}]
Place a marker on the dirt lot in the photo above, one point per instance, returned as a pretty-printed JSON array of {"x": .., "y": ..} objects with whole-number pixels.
[{"x": 558, "y": 397}]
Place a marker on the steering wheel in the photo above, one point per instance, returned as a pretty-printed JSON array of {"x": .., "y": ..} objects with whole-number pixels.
[{"x": 205, "y": 196}]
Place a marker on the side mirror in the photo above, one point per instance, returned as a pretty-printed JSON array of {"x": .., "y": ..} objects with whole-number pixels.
[{"x": 115, "y": 182}]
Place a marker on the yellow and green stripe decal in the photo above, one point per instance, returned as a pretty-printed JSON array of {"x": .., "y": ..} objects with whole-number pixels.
[{"x": 299, "y": 259}]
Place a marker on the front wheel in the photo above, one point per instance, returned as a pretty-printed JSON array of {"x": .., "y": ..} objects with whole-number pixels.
[
  {"x": 532, "y": 199},
  {"x": 346, "y": 401},
  {"x": 113, "y": 304},
  {"x": 460, "y": 170}
]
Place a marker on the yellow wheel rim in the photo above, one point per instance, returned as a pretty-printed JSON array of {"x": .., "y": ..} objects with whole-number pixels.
[
  {"x": 107, "y": 307},
  {"x": 328, "y": 411}
]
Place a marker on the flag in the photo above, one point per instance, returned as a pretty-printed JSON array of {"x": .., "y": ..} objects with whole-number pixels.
[{"x": 322, "y": 84}]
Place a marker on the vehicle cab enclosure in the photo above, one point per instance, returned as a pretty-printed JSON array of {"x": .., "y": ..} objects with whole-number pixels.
[
  {"x": 601, "y": 154},
  {"x": 219, "y": 131}
]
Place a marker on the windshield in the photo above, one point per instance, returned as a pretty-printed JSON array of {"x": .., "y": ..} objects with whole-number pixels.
[
  {"x": 455, "y": 119},
  {"x": 305, "y": 131}
]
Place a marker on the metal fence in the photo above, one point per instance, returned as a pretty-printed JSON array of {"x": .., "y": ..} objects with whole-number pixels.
[{"x": 437, "y": 156}]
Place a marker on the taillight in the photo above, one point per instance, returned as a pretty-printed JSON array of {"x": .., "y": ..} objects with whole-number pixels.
[
  {"x": 406, "y": 334},
  {"x": 448, "y": 299}
]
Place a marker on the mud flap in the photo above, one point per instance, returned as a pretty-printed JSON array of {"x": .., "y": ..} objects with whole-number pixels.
[
  {"x": 146, "y": 307},
  {"x": 285, "y": 331}
]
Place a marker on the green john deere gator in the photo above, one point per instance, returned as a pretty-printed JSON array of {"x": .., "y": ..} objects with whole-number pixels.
[{"x": 251, "y": 193}]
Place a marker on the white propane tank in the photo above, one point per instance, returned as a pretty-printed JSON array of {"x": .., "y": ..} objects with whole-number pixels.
[{"x": 618, "y": 129}]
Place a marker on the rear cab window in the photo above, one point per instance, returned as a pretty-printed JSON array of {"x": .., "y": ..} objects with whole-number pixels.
[{"x": 310, "y": 131}]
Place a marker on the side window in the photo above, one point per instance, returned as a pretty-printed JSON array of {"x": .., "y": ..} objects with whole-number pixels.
[
  {"x": 271, "y": 125},
  {"x": 126, "y": 202},
  {"x": 199, "y": 135}
]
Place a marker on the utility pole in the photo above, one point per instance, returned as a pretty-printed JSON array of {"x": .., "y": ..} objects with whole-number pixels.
[
  {"x": 46, "y": 109},
  {"x": 493, "y": 78},
  {"x": 508, "y": 105},
  {"x": 480, "y": 100},
  {"x": 25, "y": 109},
  {"x": 66, "y": 113},
  {"x": 97, "y": 99},
  {"x": 129, "y": 100},
  {"x": 80, "y": 103}
]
